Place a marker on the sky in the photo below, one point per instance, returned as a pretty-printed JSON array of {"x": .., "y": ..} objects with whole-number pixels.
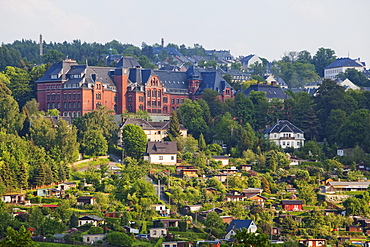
[{"x": 267, "y": 28}]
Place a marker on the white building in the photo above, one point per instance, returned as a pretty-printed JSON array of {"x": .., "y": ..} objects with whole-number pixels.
[
  {"x": 341, "y": 65},
  {"x": 161, "y": 153},
  {"x": 285, "y": 135}
]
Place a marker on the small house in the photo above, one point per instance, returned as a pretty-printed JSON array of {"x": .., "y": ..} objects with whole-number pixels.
[
  {"x": 167, "y": 222},
  {"x": 161, "y": 209},
  {"x": 246, "y": 167},
  {"x": 223, "y": 159},
  {"x": 83, "y": 200},
  {"x": 164, "y": 152},
  {"x": 313, "y": 242},
  {"x": 191, "y": 173},
  {"x": 90, "y": 219},
  {"x": 157, "y": 232},
  {"x": 93, "y": 238},
  {"x": 354, "y": 229},
  {"x": 14, "y": 198},
  {"x": 175, "y": 244},
  {"x": 292, "y": 205},
  {"x": 238, "y": 225}
]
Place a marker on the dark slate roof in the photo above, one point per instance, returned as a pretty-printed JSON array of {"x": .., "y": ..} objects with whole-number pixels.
[
  {"x": 247, "y": 58},
  {"x": 162, "y": 148},
  {"x": 239, "y": 224},
  {"x": 173, "y": 81},
  {"x": 213, "y": 80},
  {"x": 271, "y": 91},
  {"x": 291, "y": 202},
  {"x": 343, "y": 62},
  {"x": 310, "y": 91},
  {"x": 283, "y": 126},
  {"x": 103, "y": 74},
  {"x": 127, "y": 62},
  {"x": 91, "y": 217},
  {"x": 171, "y": 51},
  {"x": 139, "y": 75},
  {"x": 59, "y": 68},
  {"x": 77, "y": 69}
]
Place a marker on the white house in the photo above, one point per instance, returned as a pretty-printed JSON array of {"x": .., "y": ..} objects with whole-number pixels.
[
  {"x": 250, "y": 60},
  {"x": 348, "y": 84},
  {"x": 285, "y": 134},
  {"x": 154, "y": 131},
  {"x": 90, "y": 219},
  {"x": 341, "y": 65},
  {"x": 161, "y": 209},
  {"x": 164, "y": 152},
  {"x": 239, "y": 225}
]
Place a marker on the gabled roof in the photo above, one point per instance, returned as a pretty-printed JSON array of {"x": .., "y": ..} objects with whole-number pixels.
[
  {"x": 127, "y": 62},
  {"x": 239, "y": 224},
  {"x": 283, "y": 126},
  {"x": 91, "y": 217},
  {"x": 271, "y": 91},
  {"x": 292, "y": 202},
  {"x": 166, "y": 147},
  {"x": 344, "y": 62},
  {"x": 59, "y": 68}
]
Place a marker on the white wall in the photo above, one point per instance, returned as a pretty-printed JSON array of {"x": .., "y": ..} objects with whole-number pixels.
[{"x": 165, "y": 159}]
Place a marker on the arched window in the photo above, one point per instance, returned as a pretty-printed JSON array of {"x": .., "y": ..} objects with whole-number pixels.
[
  {"x": 78, "y": 104},
  {"x": 130, "y": 98},
  {"x": 65, "y": 105},
  {"x": 69, "y": 105},
  {"x": 74, "y": 105},
  {"x": 129, "y": 108},
  {"x": 53, "y": 105},
  {"x": 141, "y": 107}
]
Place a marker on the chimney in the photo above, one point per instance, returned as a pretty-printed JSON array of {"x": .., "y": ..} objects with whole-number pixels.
[
  {"x": 162, "y": 42},
  {"x": 41, "y": 45}
]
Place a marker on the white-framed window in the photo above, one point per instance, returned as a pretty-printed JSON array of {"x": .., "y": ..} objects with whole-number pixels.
[{"x": 160, "y": 157}]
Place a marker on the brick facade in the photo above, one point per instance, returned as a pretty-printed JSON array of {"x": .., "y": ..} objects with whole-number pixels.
[{"x": 76, "y": 89}]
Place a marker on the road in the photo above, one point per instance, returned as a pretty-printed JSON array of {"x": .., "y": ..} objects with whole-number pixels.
[{"x": 156, "y": 187}]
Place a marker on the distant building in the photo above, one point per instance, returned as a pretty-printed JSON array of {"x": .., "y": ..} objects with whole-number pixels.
[
  {"x": 272, "y": 91},
  {"x": 250, "y": 60},
  {"x": 75, "y": 89},
  {"x": 341, "y": 65},
  {"x": 285, "y": 135}
]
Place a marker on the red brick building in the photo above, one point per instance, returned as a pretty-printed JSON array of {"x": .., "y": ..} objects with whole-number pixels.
[{"x": 75, "y": 89}]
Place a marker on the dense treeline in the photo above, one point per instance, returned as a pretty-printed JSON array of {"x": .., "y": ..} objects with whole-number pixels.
[
  {"x": 333, "y": 116},
  {"x": 26, "y": 52},
  {"x": 37, "y": 147}
]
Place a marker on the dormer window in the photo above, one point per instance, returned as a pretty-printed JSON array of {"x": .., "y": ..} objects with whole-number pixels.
[
  {"x": 75, "y": 76},
  {"x": 54, "y": 76}
]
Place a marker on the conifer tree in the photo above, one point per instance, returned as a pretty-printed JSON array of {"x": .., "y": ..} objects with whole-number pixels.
[
  {"x": 202, "y": 143},
  {"x": 173, "y": 127}
]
